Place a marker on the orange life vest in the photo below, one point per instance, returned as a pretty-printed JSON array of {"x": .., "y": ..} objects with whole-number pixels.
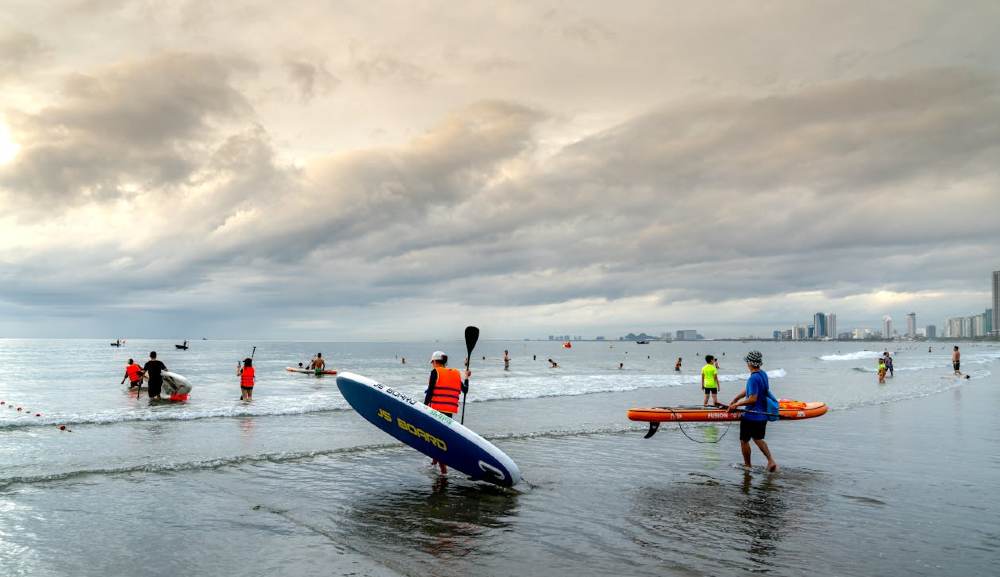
[
  {"x": 133, "y": 372},
  {"x": 447, "y": 390},
  {"x": 246, "y": 377}
]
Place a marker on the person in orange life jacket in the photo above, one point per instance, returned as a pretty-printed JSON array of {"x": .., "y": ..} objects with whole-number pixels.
[
  {"x": 246, "y": 374},
  {"x": 133, "y": 372},
  {"x": 444, "y": 389}
]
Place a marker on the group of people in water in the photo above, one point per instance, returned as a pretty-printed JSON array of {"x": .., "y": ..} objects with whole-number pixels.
[
  {"x": 447, "y": 385},
  {"x": 885, "y": 367},
  {"x": 152, "y": 372}
]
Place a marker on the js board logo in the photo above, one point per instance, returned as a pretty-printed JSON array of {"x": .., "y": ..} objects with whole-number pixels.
[{"x": 414, "y": 430}]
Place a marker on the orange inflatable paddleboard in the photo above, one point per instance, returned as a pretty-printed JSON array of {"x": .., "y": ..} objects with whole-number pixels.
[{"x": 787, "y": 409}]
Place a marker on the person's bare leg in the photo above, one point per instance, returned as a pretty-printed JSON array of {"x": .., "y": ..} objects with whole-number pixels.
[
  {"x": 715, "y": 399},
  {"x": 705, "y": 402},
  {"x": 745, "y": 449},
  {"x": 771, "y": 465}
]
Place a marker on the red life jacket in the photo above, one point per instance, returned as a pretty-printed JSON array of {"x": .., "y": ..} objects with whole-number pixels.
[
  {"x": 246, "y": 377},
  {"x": 133, "y": 372},
  {"x": 447, "y": 390}
]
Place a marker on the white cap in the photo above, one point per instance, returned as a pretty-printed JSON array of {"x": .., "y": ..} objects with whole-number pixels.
[{"x": 438, "y": 356}]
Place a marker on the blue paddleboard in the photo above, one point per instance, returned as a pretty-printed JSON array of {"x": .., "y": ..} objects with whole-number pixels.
[{"x": 428, "y": 431}]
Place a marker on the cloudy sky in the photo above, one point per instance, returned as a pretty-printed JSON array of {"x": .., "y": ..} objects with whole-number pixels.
[{"x": 397, "y": 170}]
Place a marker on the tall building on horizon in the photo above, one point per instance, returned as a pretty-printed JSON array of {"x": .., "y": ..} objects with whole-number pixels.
[
  {"x": 819, "y": 322},
  {"x": 911, "y": 325},
  {"x": 996, "y": 303},
  {"x": 954, "y": 329},
  {"x": 887, "y": 327},
  {"x": 831, "y": 326},
  {"x": 930, "y": 332}
]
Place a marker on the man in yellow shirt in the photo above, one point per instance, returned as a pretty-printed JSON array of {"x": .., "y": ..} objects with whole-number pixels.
[{"x": 710, "y": 380}]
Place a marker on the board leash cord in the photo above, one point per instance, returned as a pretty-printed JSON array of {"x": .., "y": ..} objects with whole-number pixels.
[{"x": 680, "y": 425}]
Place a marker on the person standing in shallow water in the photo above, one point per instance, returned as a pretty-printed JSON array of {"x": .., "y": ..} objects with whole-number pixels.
[
  {"x": 753, "y": 423},
  {"x": 154, "y": 368},
  {"x": 710, "y": 380},
  {"x": 677, "y": 365},
  {"x": 246, "y": 373},
  {"x": 133, "y": 372},
  {"x": 444, "y": 389},
  {"x": 956, "y": 361},
  {"x": 506, "y": 360}
]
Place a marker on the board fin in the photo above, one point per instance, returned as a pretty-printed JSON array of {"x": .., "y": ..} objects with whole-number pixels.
[{"x": 653, "y": 427}]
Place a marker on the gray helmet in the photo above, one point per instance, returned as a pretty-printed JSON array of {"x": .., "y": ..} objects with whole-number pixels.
[{"x": 754, "y": 359}]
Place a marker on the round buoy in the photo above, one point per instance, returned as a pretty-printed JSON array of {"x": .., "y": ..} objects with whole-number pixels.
[
  {"x": 62, "y": 427},
  {"x": 19, "y": 409},
  {"x": 38, "y": 414}
]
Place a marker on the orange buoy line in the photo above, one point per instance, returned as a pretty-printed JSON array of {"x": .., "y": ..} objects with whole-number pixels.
[{"x": 27, "y": 411}]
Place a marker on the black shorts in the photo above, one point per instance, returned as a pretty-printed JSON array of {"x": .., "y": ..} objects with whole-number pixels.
[
  {"x": 246, "y": 388},
  {"x": 714, "y": 391},
  {"x": 956, "y": 364},
  {"x": 154, "y": 387},
  {"x": 752, "y": 430}
]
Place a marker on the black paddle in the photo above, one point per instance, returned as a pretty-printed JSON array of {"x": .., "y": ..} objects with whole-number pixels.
[{"x": 471, "y": 338}]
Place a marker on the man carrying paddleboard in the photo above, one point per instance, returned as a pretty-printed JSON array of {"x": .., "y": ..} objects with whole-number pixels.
[
  {"x": 154, "y": 368},
  {"x": 754, "y": 420},
  {"x": 444, "y": 389}
]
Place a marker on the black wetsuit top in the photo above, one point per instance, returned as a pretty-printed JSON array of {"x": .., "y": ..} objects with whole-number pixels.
[
  {"x": 153, "y": 368},
  {"x": 430, "y": 388}
]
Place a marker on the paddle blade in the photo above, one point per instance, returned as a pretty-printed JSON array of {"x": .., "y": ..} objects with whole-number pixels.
[
  {"x": 471, "y": 338},
  {"x": 653, "y": 427}
]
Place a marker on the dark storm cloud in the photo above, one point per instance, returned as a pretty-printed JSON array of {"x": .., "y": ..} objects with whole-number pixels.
[
  {"x": 727, "y": 199},
  {"x": 842, "y": 187},
  {"x": 141, "y": 125}
]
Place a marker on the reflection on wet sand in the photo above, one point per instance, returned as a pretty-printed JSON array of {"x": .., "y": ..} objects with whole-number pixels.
[
  {"x": 725, "y": 523},
  {"x": 762, "y": 516},
  {"x": 447, "y": 520}
]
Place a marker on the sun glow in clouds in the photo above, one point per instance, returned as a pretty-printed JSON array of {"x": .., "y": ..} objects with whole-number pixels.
[{"x": 8, "y": 148}]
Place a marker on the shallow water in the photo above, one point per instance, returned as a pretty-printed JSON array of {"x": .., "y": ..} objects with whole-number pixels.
[{"x": 894, "y": 480}]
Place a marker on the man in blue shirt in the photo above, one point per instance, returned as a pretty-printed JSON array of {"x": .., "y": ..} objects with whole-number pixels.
[{"x": 754, "y": 421}]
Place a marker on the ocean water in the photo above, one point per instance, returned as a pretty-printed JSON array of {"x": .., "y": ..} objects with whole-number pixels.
[{"x": 894, "y": 480}]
